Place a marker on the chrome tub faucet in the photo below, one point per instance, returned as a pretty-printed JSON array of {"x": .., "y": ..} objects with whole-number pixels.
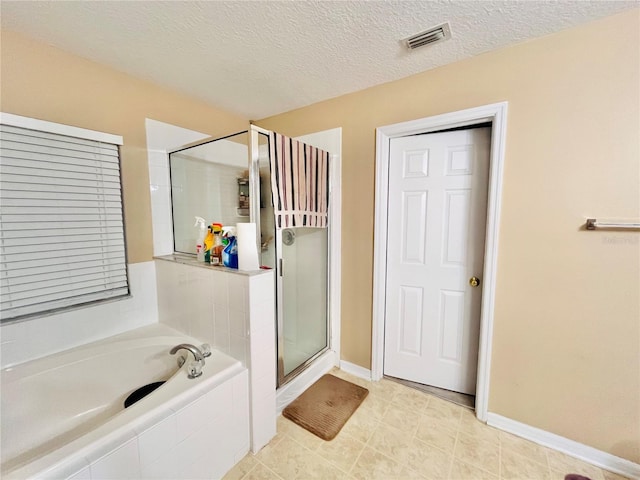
[{"x": 195, "y": 367}]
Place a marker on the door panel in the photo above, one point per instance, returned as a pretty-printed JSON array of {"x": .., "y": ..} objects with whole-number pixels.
[
  {"x": 456, "y": 221},
  {"x": 414, "y": 208},
  {"x": 436, "y": 229},
  {"x": 411, "y": 320}
]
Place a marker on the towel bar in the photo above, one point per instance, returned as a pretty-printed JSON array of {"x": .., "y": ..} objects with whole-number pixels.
[{"x": 593, "y": 224}]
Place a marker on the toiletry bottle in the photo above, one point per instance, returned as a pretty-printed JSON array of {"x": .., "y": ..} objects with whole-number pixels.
[
  {"x": 230, "y": 253},
  {"x": 202, "y": 231},
  {"x": 216, "y": 250},
  {"x": 227, "y": 233},
  {"x": 208, "y": 244}
]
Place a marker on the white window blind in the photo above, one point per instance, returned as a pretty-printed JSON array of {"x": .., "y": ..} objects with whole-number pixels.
[{"x": 61, "y": 224}]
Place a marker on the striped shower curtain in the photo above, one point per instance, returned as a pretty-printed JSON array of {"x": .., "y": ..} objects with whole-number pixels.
[{"x": 299, "y": 183}]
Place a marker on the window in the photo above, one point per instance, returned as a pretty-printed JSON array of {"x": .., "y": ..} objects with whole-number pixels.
[{"x": 62, "y": 238}]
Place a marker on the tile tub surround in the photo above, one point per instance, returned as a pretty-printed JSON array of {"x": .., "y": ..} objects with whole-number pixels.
[
  {"x": 200, "y": 424},
  {"x": 45, "y": 335},
  {"x": 235, "y": 312},
  {"x": 201, "y": 440},
  {"x": 399, "y": 434}
]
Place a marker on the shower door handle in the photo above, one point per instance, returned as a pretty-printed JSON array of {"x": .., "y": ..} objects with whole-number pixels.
[{"x": 280, "y": 266}]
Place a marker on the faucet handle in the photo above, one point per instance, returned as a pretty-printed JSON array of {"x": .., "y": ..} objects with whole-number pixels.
[
  {"x": 205, "y": 348},
  {"x": 195, "y": 369}
]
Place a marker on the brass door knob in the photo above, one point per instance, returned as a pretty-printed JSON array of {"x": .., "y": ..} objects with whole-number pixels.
[{"x": 474, "y": 281}]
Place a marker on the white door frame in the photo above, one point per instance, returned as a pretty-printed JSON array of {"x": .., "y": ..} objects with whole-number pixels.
[{"x": 497, "y": 114}]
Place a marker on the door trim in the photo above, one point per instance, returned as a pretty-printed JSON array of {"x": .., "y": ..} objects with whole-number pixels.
[{"x": 497, "y": 114}]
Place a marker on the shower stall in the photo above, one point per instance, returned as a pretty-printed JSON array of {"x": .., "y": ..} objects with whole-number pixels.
[{"x": 229, "y": 180}]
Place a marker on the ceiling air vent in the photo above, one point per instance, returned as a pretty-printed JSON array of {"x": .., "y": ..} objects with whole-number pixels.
[{"x": 428, "y": 37}]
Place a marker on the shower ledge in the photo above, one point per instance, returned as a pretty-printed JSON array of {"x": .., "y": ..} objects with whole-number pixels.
[{"x": 191, "y": 260}]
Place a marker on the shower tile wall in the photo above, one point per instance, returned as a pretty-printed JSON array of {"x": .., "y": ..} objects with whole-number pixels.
[
  {"x": 160, "y": 189},
  {"x": 163, "y": 137},
  {"x": 207, "y": 190},
  {"x": 218, "y": 180}
]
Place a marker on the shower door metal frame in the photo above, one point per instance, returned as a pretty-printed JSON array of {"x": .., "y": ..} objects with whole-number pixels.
[
  {"x": 255, "y": 196},
  {"x": 253, "y": 163},
  {"x": 254, "y": 178},
  {"x": 194, "y": 144},
  {"x": 282, "y": 378}
]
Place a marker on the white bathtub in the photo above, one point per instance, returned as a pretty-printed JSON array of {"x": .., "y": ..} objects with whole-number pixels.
[{"x": 63, "y": 415}]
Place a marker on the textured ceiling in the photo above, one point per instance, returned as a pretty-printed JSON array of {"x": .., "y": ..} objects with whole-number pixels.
[{"x": 260, "y": 58}]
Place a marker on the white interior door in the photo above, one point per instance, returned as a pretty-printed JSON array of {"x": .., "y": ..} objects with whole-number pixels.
[{"x": 436, "y": 230}]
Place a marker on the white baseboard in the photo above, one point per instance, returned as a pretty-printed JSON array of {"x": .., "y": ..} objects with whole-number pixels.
[
  {"x": 292, "y": 390},
  {"x": 355, "y": 370},
  {"x": 570, "y": 447}
]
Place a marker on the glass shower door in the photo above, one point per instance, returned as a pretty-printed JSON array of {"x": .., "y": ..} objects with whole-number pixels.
[{"x": 302, "y": 320}]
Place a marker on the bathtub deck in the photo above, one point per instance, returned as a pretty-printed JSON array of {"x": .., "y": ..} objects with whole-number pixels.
[{"x": 185, "y": 411}]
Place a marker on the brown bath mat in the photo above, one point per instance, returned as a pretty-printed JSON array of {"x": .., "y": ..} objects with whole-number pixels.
[{"x": 325, "y": 406}]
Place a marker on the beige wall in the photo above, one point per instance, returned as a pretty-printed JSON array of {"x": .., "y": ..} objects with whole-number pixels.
[
  {"x": 567, "y": 331},
  {"x": 43, "y": 82},
  {"x": 566, "y": 347}
]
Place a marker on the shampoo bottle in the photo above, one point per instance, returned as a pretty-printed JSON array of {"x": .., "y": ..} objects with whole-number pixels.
[{"x": 202, "y": 231}]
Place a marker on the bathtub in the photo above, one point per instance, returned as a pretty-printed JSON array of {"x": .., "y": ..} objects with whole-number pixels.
[{"x": 62, "y": 416}]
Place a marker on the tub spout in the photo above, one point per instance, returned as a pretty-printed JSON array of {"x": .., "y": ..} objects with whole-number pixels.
[
  {"x": 197, "y": 354},
  {"x": 195, "y": 368}
]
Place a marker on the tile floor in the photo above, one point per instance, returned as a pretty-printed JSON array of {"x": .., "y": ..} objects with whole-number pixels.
[{"x": 401, "y": 433}]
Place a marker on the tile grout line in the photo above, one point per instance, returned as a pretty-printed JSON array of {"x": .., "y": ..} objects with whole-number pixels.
[
  {"x": 249, "y": 471},
  {"x": 258, "y": 462},
  {"x": 546, "y": 463},
  {"x": 299, "y": 443},
  {"x": 453, "y": 452},
  {"x": 284, "y": 435},
  {"x": 327, "y": 460},
  {"x": 277, "y": 476},
  {"x": 456, "y": 441},
  {"x": 499, "y": 457},
  {"x": 343, "y": 470},
  {"x": 431, "y": 445},
  {"x": 366, "y": 444},
  {"x": 358, "y": 458}
]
